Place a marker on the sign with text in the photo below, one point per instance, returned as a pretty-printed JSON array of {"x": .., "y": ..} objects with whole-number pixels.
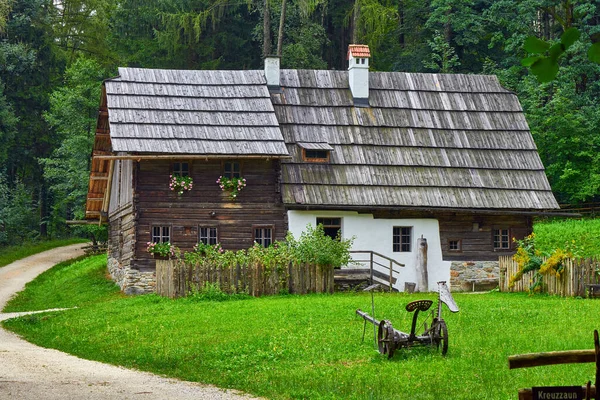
[{"x": 558, "y": 393}]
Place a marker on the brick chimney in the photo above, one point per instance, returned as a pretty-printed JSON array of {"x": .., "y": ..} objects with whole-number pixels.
[
  {"x": 272, "y": 72},
  {"x": 358, "y": 73}
]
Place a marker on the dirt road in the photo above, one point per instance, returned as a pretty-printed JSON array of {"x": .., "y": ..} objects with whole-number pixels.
[{"x": 32, "y": 372}]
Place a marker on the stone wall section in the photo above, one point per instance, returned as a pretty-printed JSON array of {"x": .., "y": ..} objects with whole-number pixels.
[
  {"x": 131, "y": 281},
  {"x": 468, "y": 276}
]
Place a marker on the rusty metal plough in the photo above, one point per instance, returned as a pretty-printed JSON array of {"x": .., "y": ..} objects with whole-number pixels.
[{"x": 436, "y": 335}]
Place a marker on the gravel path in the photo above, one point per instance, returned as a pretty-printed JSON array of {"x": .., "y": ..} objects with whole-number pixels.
[{"x": 32, "y": 372}]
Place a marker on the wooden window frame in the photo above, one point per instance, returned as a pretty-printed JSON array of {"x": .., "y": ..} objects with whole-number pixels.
[
  {"x": 178, "y": 173},
  {"x": 232, "y": 173},
  {"x": 161, "y": 235},
  {"x": 398, "y": 246},
  {"x": 338, "y": 226},
  {"x": 459, "y": 245},
  {"x": 262, "y": 227},
  {"x": 208, "y": 235},
  {"x": 316, "y": 159},
  {"x": 501, "y": 241}
]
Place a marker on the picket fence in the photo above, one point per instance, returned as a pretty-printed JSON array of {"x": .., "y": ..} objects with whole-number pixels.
[
  {"x": 573, "y": 281},
  {"x": 175, "y": 278}
]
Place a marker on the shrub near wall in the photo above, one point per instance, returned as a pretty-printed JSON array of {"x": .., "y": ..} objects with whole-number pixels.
[{"x": 300, "y": 266}]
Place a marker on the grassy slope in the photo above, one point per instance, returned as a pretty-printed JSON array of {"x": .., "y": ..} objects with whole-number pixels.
[
  {"x": 555, "y": 234},
  {"x": 14, "y": 253},
  {"x": 68, "y": 284},
  {"x": 310, "y": 346}
]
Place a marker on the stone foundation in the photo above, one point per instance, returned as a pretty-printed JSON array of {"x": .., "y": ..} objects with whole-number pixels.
[
  {"x": 468, "y": 276},
  {"x": 131, "y": 281}
]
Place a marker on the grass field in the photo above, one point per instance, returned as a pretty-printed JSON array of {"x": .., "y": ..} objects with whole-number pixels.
[
  {"x": 14, "y": 253},
  {"x": 298, "y": 347},
  {"x": 583, "y": 234},
  {"x": 73, "y": 283}
]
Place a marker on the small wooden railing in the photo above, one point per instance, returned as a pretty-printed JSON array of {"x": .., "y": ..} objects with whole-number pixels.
[{"x": 373, "y": 259}]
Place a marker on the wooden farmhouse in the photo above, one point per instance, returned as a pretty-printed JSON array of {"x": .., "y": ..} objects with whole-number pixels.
[{"x": 384, "y": 157}]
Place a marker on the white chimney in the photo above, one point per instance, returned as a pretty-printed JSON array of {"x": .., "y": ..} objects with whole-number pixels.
[
  {"x": 272, "y": 72},
  {"x": 358, "y": 73}
]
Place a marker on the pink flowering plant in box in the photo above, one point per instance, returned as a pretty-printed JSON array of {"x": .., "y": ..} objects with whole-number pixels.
[
  {"x": 165, "y": 249},
  {"x": 209, "y": 255},
  {"x": 206, "y": 249},
  {"x": 231, "y": 185},
  {"x": 180, "y": 184}
]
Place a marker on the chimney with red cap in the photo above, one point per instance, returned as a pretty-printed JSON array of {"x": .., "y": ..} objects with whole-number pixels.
[{"x": 358, "y": 73}]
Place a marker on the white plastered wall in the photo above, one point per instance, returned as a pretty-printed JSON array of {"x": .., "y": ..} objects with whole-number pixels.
[{"x": 376, "y": 235}]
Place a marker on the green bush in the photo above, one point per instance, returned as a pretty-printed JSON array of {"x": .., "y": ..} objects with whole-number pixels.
[{"x": 312, "y": 247}]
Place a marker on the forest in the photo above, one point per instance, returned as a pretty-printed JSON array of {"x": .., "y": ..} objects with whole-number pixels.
[{"x": 54, "y": 55}]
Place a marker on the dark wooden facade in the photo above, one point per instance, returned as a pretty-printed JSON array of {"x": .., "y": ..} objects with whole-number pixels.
[
  {"x": 206, "y": 205},
  {"x": 120, "y": 214},
  {"x": 475, "y": 234}
]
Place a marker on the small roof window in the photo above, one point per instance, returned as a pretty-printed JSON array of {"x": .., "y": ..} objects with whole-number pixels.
[{"x": 315, "y": 152}]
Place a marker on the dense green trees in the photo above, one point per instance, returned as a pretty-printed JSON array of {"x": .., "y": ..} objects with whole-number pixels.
[
  {"x": 72, "y": 116},
  {"x": 54, "y": 54}
]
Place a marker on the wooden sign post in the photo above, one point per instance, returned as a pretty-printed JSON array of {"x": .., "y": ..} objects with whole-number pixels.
[
  {"x": 559, "y": 357},
  {"x": 422, "y": 278}
]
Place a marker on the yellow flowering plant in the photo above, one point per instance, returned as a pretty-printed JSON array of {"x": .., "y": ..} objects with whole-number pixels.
[
  {"x": 555, "y": 263},
  {"x": 528, "y": 258}
]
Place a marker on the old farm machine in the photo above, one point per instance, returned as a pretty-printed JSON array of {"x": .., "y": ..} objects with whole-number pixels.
[{"x": 435, "y": 335}]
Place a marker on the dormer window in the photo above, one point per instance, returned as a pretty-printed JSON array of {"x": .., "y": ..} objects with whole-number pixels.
[
  {"x": 315, "y": 155},
  {"x": 315, "y": 152}
]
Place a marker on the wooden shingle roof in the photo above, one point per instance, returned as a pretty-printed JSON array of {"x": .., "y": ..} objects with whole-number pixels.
[
  {"x": 427, "y": 140},
  {"x": 226, "y": 113}
]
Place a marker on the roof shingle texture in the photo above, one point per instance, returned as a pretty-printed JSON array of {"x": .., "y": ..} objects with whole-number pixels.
[
  {"x": 226, "y": 113},
  {"x": 427, "y": 140}
]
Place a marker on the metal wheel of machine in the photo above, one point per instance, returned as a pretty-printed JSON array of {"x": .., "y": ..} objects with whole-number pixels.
[
  {"x": 440, "y": 336},
  {"x": 385, "y": 338}
]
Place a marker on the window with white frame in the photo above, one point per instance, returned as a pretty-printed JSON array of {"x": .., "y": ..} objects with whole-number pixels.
[
  {"x": 160, "y": 234},
  {"x": 207, "y": 235},
  {"x": 263, "y": 235},
  {"x": 455, "y": 245},
  {"x": 402, "y": 239},
  {"x": 501, "y": 239}
]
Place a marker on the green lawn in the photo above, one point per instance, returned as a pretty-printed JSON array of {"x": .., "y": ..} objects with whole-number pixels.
[
  {"x": 72, "y": 283},
  {"x": 309, "y": 346},
  {"x": 14, "y": 253}
]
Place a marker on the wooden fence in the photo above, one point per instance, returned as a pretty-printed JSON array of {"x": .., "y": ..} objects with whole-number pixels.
[
  {"x": 573, "y": 281},
  {"x": 177, "y": 279}
]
